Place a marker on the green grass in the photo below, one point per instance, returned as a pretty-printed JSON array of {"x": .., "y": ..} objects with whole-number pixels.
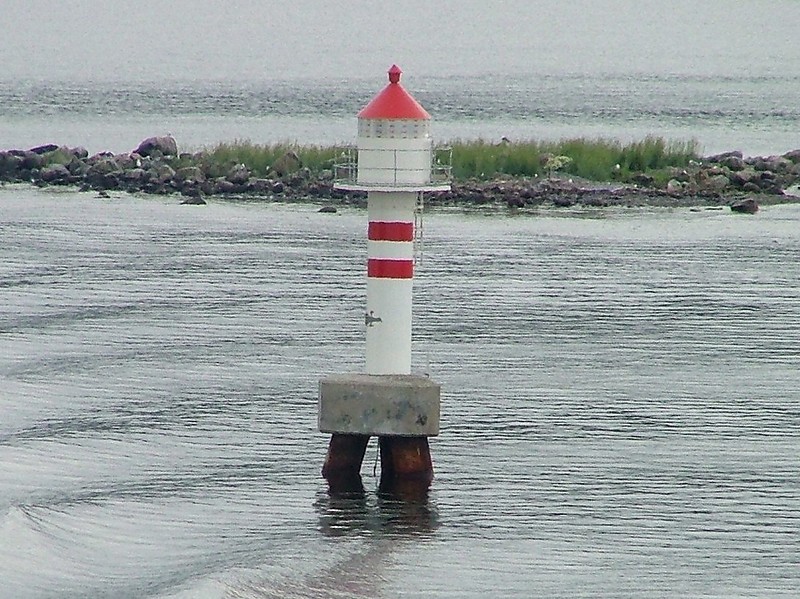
[
  {"x": 594, "y": 159},
  {"x": 260, "y": 158}
]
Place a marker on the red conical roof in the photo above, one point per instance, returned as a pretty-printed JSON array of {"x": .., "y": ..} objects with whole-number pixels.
[{"x": 394, "y": 102}]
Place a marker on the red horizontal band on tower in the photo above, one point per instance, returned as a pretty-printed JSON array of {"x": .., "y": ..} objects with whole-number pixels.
[
  {"x": 395, "y": 231},
  {"x": 378, "y": 268}
]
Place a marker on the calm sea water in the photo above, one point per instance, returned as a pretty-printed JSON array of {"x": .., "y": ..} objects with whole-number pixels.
[
  {"x": 621, "y": 414},
  {"x": 724, "y": 74},
  {"x": 756, "y": 114}
]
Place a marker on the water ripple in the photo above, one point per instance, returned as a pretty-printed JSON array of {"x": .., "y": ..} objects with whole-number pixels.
[{"x": 620, "y": 408}]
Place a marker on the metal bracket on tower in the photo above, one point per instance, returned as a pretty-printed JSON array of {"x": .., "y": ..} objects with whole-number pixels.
[
  {"x": 370, "y": 318},
  {"x": 418, "y": 229}
]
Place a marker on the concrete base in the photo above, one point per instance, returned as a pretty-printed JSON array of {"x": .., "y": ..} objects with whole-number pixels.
[{"x": 383, "y": 405}]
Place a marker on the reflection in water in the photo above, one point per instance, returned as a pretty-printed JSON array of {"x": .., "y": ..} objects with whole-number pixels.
[
  {"x": 343, "y": 509},
  {"x": 405, "y": 507},
  {"x": 399, "y": 509},
  {"x": 382, "y": 523}
]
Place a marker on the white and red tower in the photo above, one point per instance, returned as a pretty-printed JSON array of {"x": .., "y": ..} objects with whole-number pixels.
[{"x": 395, "y": 167}]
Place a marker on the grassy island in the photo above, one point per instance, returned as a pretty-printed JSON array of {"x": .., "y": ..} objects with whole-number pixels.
[
  {"x": 592, "y": 159},
  {"x": 596, "y": 172}
]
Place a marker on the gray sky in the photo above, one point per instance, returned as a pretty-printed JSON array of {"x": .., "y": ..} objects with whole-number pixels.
[{"x": 246, "y": 39}]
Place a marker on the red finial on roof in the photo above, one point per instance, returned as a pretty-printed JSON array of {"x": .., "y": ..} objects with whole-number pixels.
[{"x": 394, "y": 102}]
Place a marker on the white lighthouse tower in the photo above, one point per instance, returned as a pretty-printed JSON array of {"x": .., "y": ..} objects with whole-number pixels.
[
  {"x": 395, "y": 167},
  {"x": 395, "y": 153}
]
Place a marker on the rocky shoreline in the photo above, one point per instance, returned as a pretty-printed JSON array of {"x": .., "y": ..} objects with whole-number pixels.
[{"x": 156, "y": 167}]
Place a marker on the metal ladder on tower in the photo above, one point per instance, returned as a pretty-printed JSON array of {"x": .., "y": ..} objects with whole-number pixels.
[{"x": 419, "y": 207}]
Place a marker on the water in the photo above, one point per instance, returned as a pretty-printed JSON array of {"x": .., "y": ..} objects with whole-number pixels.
[
  {"x": 726, "y": 75},
  {"x": 621, "y": 416},
  {"x": 755, "y": 114}
]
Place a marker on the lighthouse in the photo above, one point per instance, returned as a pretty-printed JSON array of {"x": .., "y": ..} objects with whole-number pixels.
[{"x": 395, "y": 166}]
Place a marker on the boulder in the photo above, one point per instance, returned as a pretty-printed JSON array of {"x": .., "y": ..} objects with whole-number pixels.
[
  {"x": 643, "y": 179},
  {"x": 744, "y": 176},
  {"x": 317, "y": 189},
  {"x": 794, "y": 156},
  {"x": 103, "y": 166},
  {"x": 164, "y": 145},
  {"x": 724, "y": 156},
  {"x": 766, "y": 176},
  {"x": 223, "y": 186},
  {"x": 31, "y": 160},
  {"x": 262, "y": 186},
  {"x": 44, "y": 149},
  {"x": 297, "y": 183},
  {"x": 107, "y": 181},
  {"x": 735, "y": 163},
  {"x": 288, "y": 163},
  {"x": 675, "y": 187},
  {"x": 80, "y": 152},
  {"x": 563, "y": 202},
  {"x": 135, "y": 176},
  {"x": 10, "y": 165},
  {"x": 775, "y": 164},
  {"x": 54, "y": 173},
  {"x": 77, "y": 167},
  {"x": 161, "y": 173},
  {"x": 680, "y": 175},
  {"x": 144, "y": 162},
  {"x": 238, "y": 175},
  {"x": 189, "y": 175},
  {"x": 779, "y": 164},
  {"x": 100, "y": 156},
  {"x": 746, "y": 206},
  {"x": 714, "y": 170},
  {"x": 716, "y": 183},
  {"x": 128, "y": 161},
  {"x": 103, "y": 172},
  {"x": 58, "y": 156}
]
